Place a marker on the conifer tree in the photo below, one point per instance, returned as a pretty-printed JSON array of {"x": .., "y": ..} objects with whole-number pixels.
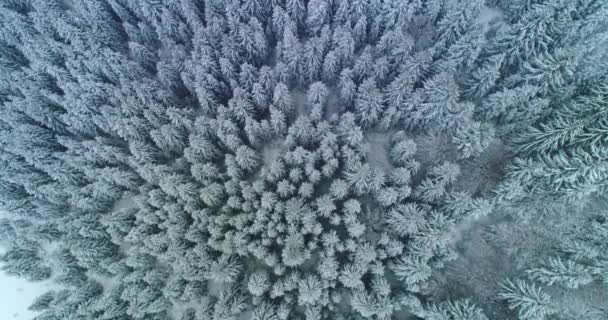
[{"x": 529, "y": 301}]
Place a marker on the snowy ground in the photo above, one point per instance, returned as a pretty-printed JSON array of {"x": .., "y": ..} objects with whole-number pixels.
[
  {"x": 17, "y": 294},
  {"x": 377, "y": 146}
]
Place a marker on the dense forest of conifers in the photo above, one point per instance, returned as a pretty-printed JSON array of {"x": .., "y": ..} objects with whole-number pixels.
[{"x": 306, "y": 159}]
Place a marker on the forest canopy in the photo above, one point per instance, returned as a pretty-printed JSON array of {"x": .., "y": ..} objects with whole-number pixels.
[{"x": 306, "y": 159}]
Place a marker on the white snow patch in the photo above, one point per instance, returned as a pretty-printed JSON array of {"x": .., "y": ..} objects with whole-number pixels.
[
  {"x": 245, "y": 315},
  {"x": 124, "y": 246},
  {"x": 376, "y": 147},
  {"x": 333, "y": 103},
  {"x": 434, "y": 149},
  {"x": 179, "y": 309},
  {"x": 483, "y": 173},
  {"x": 214, "y": 288},
  {"x": 300, "y": 103},
  {"x": 107, "y": 283},
  {"x": 69, "y": 4},
  {"x": 47, "y": 249},
  {"x": 271, "y": 151},
  {"x": 489, "y": 16},
  {"x": 124, "y": 203}
]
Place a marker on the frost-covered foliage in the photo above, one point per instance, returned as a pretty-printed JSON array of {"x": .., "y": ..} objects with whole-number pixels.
[
  {"x": 555, "y": 249},
  {"x": 211, "y": 159},
  {"x": 530, "y": 302}
]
